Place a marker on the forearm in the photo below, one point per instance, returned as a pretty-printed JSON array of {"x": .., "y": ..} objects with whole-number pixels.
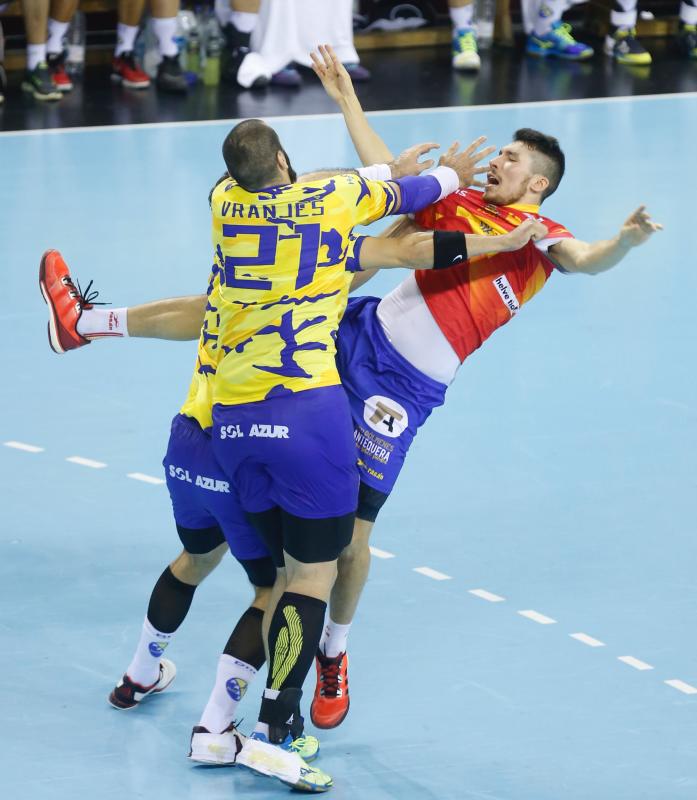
[
  {"x": 598, "y": 256},
  {"x": 369, "y": 145},
  {"x": 176, "y": 319}
]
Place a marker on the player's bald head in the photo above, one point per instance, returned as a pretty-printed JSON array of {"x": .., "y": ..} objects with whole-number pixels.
[
  {"x": 250, "y": 152},
  {"x": 547, "y": 156}
]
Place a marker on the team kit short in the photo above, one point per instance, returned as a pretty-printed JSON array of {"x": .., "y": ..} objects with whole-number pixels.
[
  {"x": 207, "y": 510},
  {"x": 252, "y": 460}
]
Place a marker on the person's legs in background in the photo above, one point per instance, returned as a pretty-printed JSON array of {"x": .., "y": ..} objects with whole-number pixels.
[
  {"x": 552, "y": 37},
  {"x": 465, "y": 55},
  {"x": 242, "y": 66},
  {"x": 61, "y": 13},
  {"x": 170, "y": 76},
  {"x": 621, "y": 43},
  {"x": 124, "y": 67},
  {"x": 37, "y": 80},
  {"x": 687, "y": 34}
]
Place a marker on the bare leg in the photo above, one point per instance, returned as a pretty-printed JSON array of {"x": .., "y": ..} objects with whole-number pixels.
[
  {"x": 353, "y": 569},
  {"x": 178, "y": 318},
  {"x": 35, "y": 20}
]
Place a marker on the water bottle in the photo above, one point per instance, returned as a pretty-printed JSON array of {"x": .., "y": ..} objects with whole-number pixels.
[
  {"x": 151, "y": 50},
  {"x": 484, "y": 14},
  {"x": 193, "y": 53},
  {"x": 75, "y": 41},
  {"x": 187, "y": 27},
  {"x": 214, "y": 47}
]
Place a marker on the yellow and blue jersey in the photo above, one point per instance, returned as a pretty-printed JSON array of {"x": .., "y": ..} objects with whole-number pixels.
[{"x": 278, "y": 287}]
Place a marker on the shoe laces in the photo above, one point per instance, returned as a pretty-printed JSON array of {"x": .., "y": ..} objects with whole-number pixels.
[
  {"x": 330, "y": 676},
  {"x": 563, "y": 31},
  {"x": 466, "y": 41},
  {"x": 85, "y": 298},
  {"x": 297, "y": 745}
]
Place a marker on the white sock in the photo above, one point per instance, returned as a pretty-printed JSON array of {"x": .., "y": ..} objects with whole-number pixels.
[
  {"x": 244, "y": 21},
  {"x": 56, "y": 36},
  {"x": 36, "y": 54},
  {"x": 97, "y": 322},
  {"x": 462, "y": 17},
  {"x": 688, "y": 14},
  {"x": 334, "y": 638},
  {"x": 625, "y": 18},
  {"x": 165, "y": 29},
  {"x": 549, "y": 12},
  {"x": 231, "y": 682},
  {"x": 125, "y": 38},
  {"x": 145, "y": 666},
  {"x": 223, "y": 11}
]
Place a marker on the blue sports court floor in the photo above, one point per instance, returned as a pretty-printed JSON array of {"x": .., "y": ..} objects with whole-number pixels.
[{"x": 528, "y": 632}]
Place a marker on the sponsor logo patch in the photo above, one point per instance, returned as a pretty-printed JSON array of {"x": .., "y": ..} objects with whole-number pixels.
[
  {"x": 236, "y": 688},
  {"x": 506, "y": 293},
  {"x": 386, "y": 417},
  {"x": 157, "y": 648}
]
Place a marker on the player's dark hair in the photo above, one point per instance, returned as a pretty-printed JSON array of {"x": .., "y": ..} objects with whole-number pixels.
[
  {"x": 553, "y": 164},
  {"x": 250, "y": 151}
]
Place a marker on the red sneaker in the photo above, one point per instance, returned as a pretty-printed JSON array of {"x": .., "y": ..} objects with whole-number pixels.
[
  {"x": 127, "y": 694},
  {"x": 126, "y": 71},
  {"x": 330, "y": 705},
  {"x": 56, "y": 66},
  {"x": 65, "y": 303}
]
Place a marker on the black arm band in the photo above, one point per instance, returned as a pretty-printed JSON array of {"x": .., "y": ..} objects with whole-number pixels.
[{"x": 449, "y": 248}]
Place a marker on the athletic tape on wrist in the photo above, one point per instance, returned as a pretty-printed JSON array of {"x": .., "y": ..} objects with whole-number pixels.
[{"x": 376, "y": 172}]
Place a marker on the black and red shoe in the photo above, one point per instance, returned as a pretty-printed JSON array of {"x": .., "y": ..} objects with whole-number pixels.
[
  {"x": 128, "y": 694},
  {"x": 56, "y": 66},
  {"x": 330, "y": 704}
]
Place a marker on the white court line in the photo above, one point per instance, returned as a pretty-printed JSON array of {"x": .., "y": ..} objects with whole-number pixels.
[
  {"x": 28, "y": 448},
  {"x": 586, "y": 639},
  {"x": 86, "y": 462},
  {"x": 634, "y": 662},
  {"x": 139, "y": 476},
  {"x": 375, "y": 551},
  {"x": 535, "y": 616},
  {"x": 490, "y": 596},
  {"x": 681, "y": 686},
  {"x": 386, "y": 113},
  {"x": 433, "y": 573}
]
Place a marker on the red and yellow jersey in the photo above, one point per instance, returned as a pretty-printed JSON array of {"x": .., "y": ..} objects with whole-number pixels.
[
  {"x": 469, "y": 302},
  {"x": 278, "y": 287}
]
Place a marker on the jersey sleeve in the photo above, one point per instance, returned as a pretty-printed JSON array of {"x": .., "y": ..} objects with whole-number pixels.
[
  {"x": 556, "y": 233},
  {"x": 366, "y": 201}
]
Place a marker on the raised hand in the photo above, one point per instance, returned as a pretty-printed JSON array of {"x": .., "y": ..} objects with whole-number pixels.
[
  {"x": 335, "y": 79},
  {"x": 638, "y": 228},
  {"x": 407, "y": 162},
  {"x": 466, "y": 163}
]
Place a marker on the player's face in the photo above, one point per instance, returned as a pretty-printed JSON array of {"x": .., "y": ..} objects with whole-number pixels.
[{"x": 509, "y": 175}]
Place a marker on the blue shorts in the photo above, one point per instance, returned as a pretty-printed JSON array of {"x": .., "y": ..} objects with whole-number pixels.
[
  {"x": 202, "y": 496},
  {"x": 294, "y": 451},
  {"x": 390, "y": 399}
]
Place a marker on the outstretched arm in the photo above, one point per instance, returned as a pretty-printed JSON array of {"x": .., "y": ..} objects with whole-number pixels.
[
  {"x": 177, "y": 318},
  {"x": 440, "y": 249},
  {"x": 573, "y": 255},
  {"x": 337, "y": 83}
]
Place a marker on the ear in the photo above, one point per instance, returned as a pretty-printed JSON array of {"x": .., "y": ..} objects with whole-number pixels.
[
  {"x": 281, "y": 161},
  {"x": 538, "y": 184}
]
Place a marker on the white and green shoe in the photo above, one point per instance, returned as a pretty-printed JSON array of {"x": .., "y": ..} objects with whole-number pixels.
[
  {"x": 465, "y": 54},
  {"x": 282, "y": 761}
]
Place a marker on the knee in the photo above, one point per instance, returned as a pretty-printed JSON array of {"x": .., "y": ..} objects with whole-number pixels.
[
  {"x": 262, "y": 595},
  {"x": 193, "y": 568}
]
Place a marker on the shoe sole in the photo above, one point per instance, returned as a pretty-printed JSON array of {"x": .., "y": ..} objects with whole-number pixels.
[
  {"x": 30, "y": 89},
  {"x": 264, "y": 763},
  {"x": 324, "y": 726},
  {"x": 129, "y": 84},
  {"x": 53, "y": 338},
  {"x": 546, "y": 54}
]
